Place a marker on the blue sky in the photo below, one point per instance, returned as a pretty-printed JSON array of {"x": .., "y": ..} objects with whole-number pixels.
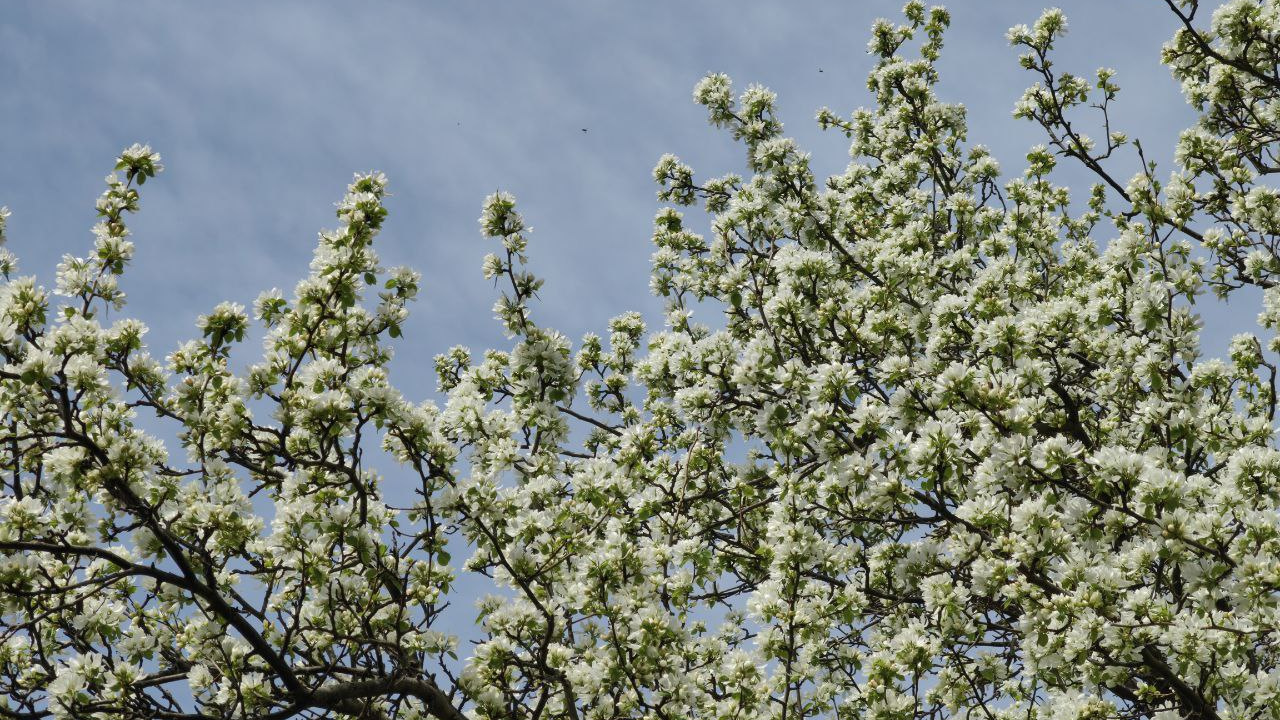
[{"x": 262, "y": 112}]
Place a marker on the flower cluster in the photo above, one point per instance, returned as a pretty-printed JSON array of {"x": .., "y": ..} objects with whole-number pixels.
[{"x": 913, "y": 442}]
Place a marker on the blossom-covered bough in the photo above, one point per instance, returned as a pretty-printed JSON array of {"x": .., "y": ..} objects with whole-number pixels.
[{"x": 949, "y": 450}]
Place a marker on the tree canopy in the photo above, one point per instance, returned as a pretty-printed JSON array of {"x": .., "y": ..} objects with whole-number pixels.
[{"x": 915, "y": 441}]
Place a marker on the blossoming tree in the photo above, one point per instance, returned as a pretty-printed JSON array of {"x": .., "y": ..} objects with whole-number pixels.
[{"x": 948, "y": 449}]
